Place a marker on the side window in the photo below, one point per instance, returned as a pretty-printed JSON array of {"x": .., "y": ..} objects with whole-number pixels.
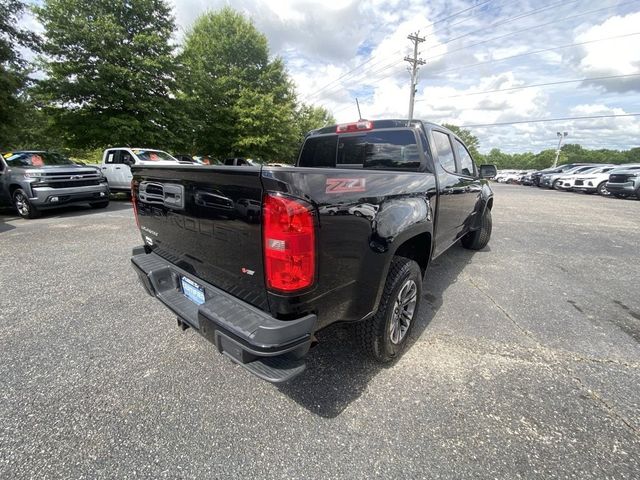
[
  {"x": 445, "y": 152},
  {"x": 113, "y": 156},
  {"x": 1, "y": 165},
  {"x": 319, "y": 152},
  {"x": 467, "y": 167},
  {"x": 125, "y": 157}
]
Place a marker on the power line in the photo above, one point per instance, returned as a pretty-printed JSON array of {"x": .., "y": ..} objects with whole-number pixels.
[
  {"x": 512, "y": 19},
  {"x": 488, "y": 62},
  {"x": 495, "y": 60},
  {"x": 534, "y": 27},
  {"x": 541, "y": 120},
  {"x": 522, "y": 87},
  {"x": 508, "y": 20},
  {"x": 397, "y": 51}
]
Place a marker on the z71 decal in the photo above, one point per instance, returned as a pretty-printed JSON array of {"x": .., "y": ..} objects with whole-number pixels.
[{"x": 339, "y": 185}]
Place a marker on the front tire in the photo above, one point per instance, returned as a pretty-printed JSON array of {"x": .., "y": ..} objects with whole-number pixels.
[
  {"x": 23, "y": 205},
  {"x": 602, "y": 189},
  {"x": 384, "y": 336},
  {"x": 478, "y": 239}
]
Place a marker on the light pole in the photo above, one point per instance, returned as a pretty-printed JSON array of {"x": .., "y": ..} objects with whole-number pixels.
[{"x": 561, "y": 137}]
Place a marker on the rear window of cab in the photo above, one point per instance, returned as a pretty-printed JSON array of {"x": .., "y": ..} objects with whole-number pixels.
[{"x": 378, "y": 149}]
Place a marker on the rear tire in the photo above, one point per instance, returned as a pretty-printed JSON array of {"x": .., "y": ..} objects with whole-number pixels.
[
  {"x": 555, "y": 185},
  {"x": 478, "y": 239},
  {"x": 96, "y": 205},
  {"x": 384, "y": 336},
  {"x": 23, "y": 205}
]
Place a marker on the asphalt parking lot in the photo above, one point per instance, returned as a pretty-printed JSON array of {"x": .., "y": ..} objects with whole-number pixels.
[{"x": 526, "y": 365}]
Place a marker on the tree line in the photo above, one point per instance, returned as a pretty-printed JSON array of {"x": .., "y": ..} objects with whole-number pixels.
[
  {"x": 110, "y": 72},
  {"x": 569, "y": 153}
]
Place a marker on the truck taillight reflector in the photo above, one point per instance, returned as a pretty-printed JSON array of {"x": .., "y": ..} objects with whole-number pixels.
[{"x": 289, "y": 243}]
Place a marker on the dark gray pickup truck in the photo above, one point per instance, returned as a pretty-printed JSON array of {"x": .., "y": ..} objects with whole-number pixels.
[
  {"x": 258, "y": 259},
  {"x": 33, "y": 181}
]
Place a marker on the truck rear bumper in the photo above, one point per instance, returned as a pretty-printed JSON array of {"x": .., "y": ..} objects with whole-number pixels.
[{"x": 268, "y": 347}]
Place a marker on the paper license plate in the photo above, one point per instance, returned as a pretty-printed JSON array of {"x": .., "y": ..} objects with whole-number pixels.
[{"x": 192, "y": 290}]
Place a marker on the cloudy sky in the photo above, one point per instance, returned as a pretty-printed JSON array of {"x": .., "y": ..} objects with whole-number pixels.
[{"x": 337, "y": 51}]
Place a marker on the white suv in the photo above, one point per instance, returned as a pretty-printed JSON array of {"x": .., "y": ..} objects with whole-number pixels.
[
  {"x": 568, "y": 182},
  {"x": 595, "y": 181},
  {"x": 116, "y": 163}
]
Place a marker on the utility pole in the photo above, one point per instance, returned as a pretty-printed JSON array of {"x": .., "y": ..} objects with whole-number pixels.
[
  {"x": 561, "y": 137},
  {"x": 414, "y": 62}
]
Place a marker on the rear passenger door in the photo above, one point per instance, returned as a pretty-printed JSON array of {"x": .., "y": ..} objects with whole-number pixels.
[
  {"x": 468, "y": 175},
  {"x": 459, "y": 189}
]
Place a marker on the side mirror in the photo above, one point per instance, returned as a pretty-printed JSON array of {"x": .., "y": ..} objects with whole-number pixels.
[
  {"x": 129, "y": 161},
  {"x": 488, "y": 171}
]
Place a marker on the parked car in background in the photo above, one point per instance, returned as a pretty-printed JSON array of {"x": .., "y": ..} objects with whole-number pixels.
[
  {"x": 116, "y": 164},
  {"x": 509, "y": 176},
  {"x": 625, "y": 181},
  {"x": 566, "y": 182},
  {"x": 550, "y": 180},
  {"x": 33, "y": 181},
  {"x": 536, "y": 177},
  {"x": 594, "y": 181}
]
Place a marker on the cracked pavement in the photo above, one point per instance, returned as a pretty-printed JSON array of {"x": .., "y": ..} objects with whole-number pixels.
[{"x": 525, "y": 363}]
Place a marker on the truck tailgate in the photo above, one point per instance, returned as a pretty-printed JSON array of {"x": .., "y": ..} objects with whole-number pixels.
[{"x": 205, "y": 220}]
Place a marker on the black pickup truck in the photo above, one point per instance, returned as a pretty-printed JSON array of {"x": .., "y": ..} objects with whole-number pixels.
[{"x": 258, "y": 259}]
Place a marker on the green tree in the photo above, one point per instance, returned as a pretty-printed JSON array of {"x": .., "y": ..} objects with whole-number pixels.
[
  {"x": 499, "y": 159},
  {"x": 13, "y": 70},
  {"x": 238, "y": 101},
  {"x": 307, "y": 118},
  {"x": 110, "y": 70},
  {"x": 470, "y": 140}
]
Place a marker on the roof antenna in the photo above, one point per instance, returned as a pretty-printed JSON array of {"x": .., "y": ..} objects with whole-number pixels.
[{"x": 358, "y": 105}]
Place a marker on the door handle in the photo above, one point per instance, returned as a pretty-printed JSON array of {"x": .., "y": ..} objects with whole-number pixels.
[
  {"x": 104, "y": 168},
  {"x": 117, "y": 168}
]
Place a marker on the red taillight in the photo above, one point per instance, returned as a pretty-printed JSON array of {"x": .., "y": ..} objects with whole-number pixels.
[
  {"x": 288, "y": 235},
  {"x": 134, "y": 194},
  {"x": 359, "y": 126}
]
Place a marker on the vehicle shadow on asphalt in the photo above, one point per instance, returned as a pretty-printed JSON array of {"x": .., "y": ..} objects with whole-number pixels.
[
  {"x": 338, "y": 372},
  {"x": 5, "y": 227}
]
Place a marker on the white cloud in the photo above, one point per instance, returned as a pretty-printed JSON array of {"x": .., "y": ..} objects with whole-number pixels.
[{"x": 614, "y": 57}]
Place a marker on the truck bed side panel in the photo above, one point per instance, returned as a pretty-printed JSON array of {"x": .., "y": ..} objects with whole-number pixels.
[{"x": 363, "y": 215}]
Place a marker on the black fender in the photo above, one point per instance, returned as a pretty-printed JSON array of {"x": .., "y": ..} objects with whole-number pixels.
[
  {"x": 398, "y": 222},
  {"x": 485, "y": 201}
]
